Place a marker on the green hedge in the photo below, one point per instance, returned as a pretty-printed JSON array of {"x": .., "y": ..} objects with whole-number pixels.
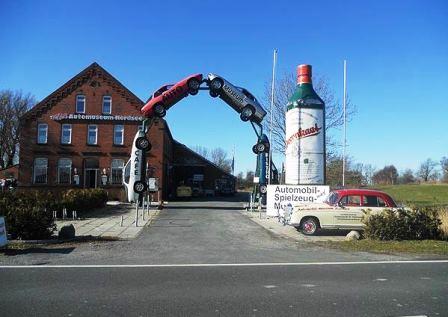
[
  {"x": 403, "y": 224},
  {"x": 29, "y": 215},
  {"x": 83, "y": 200}
]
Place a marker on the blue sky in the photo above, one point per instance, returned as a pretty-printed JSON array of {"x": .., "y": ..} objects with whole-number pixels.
[{"x": 397, "y": 54}]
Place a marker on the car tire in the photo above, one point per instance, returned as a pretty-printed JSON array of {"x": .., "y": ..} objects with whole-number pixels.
[
  {"x": 263, "y": 189},
  {"x": 216, "y": 84},
  {"x": 309, "y": 226},
  {"x": 193, "y": 84},
  {"x": 143, "y": 144},
  {"x": 213, "y": 94},
  {"x": 159, "y": 110},
  {"x": 140, "y": 187},
  {"x": 261, "y": 147},
  {"x": 254, "y": 149},
  {"x": 247, "y": 113}
]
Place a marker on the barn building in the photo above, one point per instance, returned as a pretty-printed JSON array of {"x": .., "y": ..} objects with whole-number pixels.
[{"x": 81, "y": 135}]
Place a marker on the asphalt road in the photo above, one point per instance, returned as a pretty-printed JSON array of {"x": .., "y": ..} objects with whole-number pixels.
[
  {"x": 215, "y": 233},
  {"x": 333, "y": 290}
]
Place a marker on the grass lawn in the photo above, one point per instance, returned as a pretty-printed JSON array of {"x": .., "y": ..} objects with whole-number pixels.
[
  {"x": 411, "y": 246},
  {"x": 418, "y": 195}
]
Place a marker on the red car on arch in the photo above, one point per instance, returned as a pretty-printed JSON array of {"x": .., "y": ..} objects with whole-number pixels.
[{"x": 168, "y": 95}]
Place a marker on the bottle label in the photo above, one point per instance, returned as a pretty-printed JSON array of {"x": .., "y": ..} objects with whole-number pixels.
[{"x": 305, "y": 148}]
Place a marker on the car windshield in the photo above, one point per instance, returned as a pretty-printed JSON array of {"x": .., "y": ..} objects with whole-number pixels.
[{"x": 332, "y": 198}]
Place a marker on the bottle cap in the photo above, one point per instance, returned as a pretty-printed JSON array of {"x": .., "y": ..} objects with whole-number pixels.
[{"x": 304, "y": 74}]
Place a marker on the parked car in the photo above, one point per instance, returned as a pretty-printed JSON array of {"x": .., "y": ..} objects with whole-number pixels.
[
  {"x": 183, "y": 191},
  {"x": 168, "y": 95},
  {"x": 241, "y": 100},
  {"x": 343, "y": 209}
]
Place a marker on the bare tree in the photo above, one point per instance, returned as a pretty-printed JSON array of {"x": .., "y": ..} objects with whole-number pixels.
[
  {"x": 285, "y": 87},
  {"x": 444, "y": 166},
  {"x": 13, "y": 104},
  {"x": 249, "y": 178},
  {"x": 368, "y": 171},
  {"x": 219, "y": 157},
  {"x": 407, "y": 177},
  {"x": 386, "y": 176},
  {"x": 427, "y": 170},
  {"x": 202, "y": 151}
]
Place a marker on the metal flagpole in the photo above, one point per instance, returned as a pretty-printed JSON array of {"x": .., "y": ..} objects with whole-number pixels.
[
  {"x": 345, "y": 124},
  {"x": 233, "y": 161},
  {"x": 271, "y": 110}
]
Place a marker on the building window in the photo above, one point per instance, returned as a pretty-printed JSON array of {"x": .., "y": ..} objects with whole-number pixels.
[
  {"x": 92, "y": 134},
  {"x": 64, "y": 171},
  {"x": 66, "y": 134},
  {"x": 119, "y": 134},
  {"x": 107, "y": 104},
  {"x": 80, "y": 104},
  {"x": 40, "y": 171},
  {"x": 42, "y": 133},
  {"x": 117, "y": 171}
]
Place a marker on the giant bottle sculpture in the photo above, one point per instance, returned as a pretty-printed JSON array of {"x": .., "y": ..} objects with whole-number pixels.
[{"x": 305, "y": 133}]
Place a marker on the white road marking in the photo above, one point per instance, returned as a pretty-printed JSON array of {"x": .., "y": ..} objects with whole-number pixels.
[
  {"x": 269, "y": 286},
  {"x": 381, "y": 279},
  {"x": 217, "y": 264},
  {"x": 308, "y": 285}
]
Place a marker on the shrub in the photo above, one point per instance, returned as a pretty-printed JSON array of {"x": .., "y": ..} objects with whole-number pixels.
[
  {"x": 443, "y": 216},
  {"x": 28, "y": 215},
  {"x": 83, "y": 200},
  {"x": 403, "y": 224}
]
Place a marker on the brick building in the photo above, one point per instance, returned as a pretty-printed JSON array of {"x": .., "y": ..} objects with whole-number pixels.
[{"x": 80, "y": 136}]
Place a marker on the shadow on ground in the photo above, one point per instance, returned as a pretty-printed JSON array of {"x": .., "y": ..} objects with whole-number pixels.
[{"x": 36, "y": 250}]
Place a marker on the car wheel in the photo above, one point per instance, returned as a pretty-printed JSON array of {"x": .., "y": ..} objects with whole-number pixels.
[
  {"x": 263, "y": 189},
  {"x": 214, "y": 94},
  {"x": 247, "y": 113},
  {"x": 309, "y": 226},
  {"x": 261, "y": 147},
  {"x": 139, "y": 187},
  {"x": 254, "y": 149},
  {"x": 143, "y": 143},
  {"x": 159, "y": 110},
  {"x": 216, "y": 84},
  {"x": 193, "y": 84}
]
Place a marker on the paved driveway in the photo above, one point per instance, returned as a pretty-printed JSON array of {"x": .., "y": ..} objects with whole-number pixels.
[{"x": 192, "y": 232}]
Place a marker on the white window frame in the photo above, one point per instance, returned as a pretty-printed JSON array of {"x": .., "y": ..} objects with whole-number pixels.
[
  {"x": 110, "y": 102},
  {"x": 96, "y": 134},
  {"x": 120, "y": 169},
  {"x": 65, "y": 166},
  {"x": 122, "y": 133},
  {"x": 76, "y": 105},
  {"x": 62, "y": 133},
  {"x": 39, "y": 125},
  {"x": 34, "y": 170}
]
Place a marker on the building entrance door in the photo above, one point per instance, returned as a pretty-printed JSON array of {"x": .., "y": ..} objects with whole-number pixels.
[
  {"x": 91, "y": 180},
  {"x": 91, "y": 168}
]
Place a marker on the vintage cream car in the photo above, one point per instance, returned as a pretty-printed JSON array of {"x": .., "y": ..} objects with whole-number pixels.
[{"x": 344, "y": 209}]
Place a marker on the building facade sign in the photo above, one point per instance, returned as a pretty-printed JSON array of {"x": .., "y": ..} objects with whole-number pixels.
[
  {"x": 279, "y": 196},
  {"x": 79, "y": 116}
]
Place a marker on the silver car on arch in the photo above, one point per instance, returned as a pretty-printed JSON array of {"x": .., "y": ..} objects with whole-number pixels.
[{"x": 240, "y": 99}]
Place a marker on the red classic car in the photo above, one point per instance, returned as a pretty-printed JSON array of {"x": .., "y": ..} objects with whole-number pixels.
[
  {"x": 168, "y": 95},
  {"x": 343, "y": 209}
]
